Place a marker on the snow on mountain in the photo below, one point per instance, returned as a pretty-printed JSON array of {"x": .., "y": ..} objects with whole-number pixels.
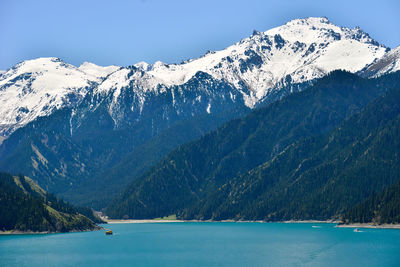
[
  {"x": 258, "y": 66},
  {"x": 390, "y": 62},
  {"x": 304, "y": 49},
  {"x": 139, "y": 81},
  {"x": 97, "y": 71},
  {"x": 133, "y": 77},
  {"x": 143, "y": 66},
  {"x": 37, "y": 87}
]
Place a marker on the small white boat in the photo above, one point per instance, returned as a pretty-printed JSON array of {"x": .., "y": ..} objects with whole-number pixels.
[{"x": 356, "y": 230}]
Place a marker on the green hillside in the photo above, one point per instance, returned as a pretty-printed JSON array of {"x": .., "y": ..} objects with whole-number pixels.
[{"x": 24, "y": 206}]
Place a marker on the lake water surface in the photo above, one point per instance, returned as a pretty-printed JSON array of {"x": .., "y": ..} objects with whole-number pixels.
[{"x": 206, "y": 244}]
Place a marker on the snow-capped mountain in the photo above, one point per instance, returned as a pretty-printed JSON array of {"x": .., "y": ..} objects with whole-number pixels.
[
  {"x": 258, "y": 66},
  {"x": 390, "y": 62},
  {"x": 299, "y": 51},
  {"x": 145, "y": 110},
  {"x": 38, "y": 87}
]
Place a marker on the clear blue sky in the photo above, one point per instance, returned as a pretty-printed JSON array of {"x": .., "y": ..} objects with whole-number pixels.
[{"x": 126, "y": 32}]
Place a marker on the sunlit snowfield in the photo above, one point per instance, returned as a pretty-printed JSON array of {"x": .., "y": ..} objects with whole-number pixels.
[{"x": 207, "y": 244}]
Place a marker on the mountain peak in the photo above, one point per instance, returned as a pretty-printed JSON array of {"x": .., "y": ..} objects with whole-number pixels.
[
  {"x": 319, "y": 30},
  {"x": 299, "y": 51},
  {"x": 37, "y": 64},
  {"x": 142, "y": 65},
  {"x": 97, "y": 71},
  {"x": 36, "y": 88},
  {"x": 310, "y": 21}
]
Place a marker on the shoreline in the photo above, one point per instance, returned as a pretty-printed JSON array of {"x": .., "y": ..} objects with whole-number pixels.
[
  {"x": 338, "y": 224},
  {"x": 137, "y": 221},
  {"x": 369, "y": 225},
  {"x": 18, "y": 232},
  {"x": 117, "y": 221},
  {"x": 311, "y": 221},
  {"x": 120, "y": 221}
]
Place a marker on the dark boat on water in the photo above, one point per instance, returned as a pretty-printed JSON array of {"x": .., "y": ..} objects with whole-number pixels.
[{"x": 109, "y": 232}]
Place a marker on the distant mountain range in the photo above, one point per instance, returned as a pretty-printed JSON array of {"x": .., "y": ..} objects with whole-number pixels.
[
  {"x": 86, "y": 132},
  {"x": 257, "y": 67}
]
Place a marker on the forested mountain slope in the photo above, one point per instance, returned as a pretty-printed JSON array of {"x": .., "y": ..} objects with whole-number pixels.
[
  {"x": 320, "y": 177},
  {"x": 65, "y": 150},
  {"x": 379, "y": 208},
  {"x": 24, "y": 206},
  {"x": 190, "y": 176},
  {"x": 79, "y": 131}
]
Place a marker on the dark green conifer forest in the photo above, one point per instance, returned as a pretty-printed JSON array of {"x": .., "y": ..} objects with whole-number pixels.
[
  {"x": 24, "y": 206},
  {"x": 312, "y": 155}
]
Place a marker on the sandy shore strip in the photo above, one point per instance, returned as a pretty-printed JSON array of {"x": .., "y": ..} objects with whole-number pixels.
[
  {"x": 369, "y": 225},
  {"x": 111, "y": 221},
  {"x": 356, "y": 225},
  {"x": 17, "y": 232},
  {"x": 142, "y": 221},
  {"x": 310, "y": 221}
]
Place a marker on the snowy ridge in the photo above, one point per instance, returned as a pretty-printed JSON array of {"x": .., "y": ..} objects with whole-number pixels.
[
  {"x": 258, "y": 66},
  {"x": 304, "y": 49},
  {"x": 390, "y": 62},
  {"x": 138, "y": 81},
  {"x": 37, "y": 87},
  {"x": 97, "y": 71}
]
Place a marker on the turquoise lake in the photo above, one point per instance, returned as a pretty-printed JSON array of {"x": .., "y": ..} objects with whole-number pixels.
[{"x": 206, "y": 244}]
